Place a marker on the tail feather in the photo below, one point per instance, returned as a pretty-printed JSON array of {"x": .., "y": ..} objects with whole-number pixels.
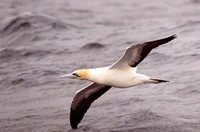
[{"x": 158, "y": 80}]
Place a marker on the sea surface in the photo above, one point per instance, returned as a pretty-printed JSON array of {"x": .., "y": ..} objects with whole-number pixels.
[{"x": 41, "y": 40}]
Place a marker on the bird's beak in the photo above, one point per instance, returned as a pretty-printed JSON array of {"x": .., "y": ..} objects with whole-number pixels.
[{"x": 68, "y": 76}]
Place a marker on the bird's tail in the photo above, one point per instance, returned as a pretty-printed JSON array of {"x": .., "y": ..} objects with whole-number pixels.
[{"x": 157, "y": 80}]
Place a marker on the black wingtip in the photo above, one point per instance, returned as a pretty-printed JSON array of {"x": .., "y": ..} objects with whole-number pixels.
[
  {"x": 155, "y": 43},
  {"x": 74, "y": 127},
  {"x": 173, "y": 36},
  {"x": 167, "y": 39},
  {"x": 74, "y": 121}
]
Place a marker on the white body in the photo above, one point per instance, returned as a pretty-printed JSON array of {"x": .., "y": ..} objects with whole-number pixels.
[{"x": 117, "y": 78}]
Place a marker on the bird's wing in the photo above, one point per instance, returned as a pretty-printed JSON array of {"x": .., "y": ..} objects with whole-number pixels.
[
  {"x": 82, "y": 101},
  {"x": 136, "y": 53}
]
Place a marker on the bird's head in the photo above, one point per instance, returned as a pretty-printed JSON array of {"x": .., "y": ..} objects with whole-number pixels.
[{"x": 81, "y": 74}]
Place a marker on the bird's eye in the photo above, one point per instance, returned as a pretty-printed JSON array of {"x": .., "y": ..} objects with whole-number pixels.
[{"x": 75, "y": 74}]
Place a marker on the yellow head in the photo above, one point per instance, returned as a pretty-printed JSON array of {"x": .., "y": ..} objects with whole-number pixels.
[{"x": 79, "y": 74}]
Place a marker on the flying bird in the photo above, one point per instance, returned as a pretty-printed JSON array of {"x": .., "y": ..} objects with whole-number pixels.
[{"x": 122, "y": 74}]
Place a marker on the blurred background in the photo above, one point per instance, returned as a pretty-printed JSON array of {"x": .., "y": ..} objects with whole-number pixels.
[{"x": 41, "y": 40}]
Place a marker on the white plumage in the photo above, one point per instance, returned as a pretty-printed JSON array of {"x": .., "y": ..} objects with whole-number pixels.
[
  {"x": 117, "y": 78},
  {"x": 121, "y": 74}
]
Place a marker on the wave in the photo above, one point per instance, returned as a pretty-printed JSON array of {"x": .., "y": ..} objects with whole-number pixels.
[
  {"x": 90, "y": 46},
  {"x": 35, "y": 22}
]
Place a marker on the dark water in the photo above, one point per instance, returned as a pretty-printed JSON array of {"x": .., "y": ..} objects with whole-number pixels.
[{"x": 41, "y": 40}]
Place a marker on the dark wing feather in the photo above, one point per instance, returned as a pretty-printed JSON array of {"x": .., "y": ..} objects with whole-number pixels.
[
  {"x": 136, "y": 53},
  {"x": 82, "y": 101}
]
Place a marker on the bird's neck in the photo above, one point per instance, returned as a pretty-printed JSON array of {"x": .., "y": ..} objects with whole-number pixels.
[{"x": 97, "y": 75}]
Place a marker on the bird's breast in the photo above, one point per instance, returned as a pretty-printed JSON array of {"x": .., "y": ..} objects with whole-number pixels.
[
  {"x": 118, "y": 78},
  {"x": 114, "y": 77}
]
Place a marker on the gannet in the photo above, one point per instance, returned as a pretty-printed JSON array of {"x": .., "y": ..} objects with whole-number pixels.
[{"x": 122, "y": 74}]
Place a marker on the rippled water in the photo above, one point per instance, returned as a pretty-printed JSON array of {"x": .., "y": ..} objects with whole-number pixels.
[{"x": 41, "y": 40}]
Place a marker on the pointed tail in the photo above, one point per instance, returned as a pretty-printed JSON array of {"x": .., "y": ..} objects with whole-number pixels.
[{"x": 158, "y": 80}]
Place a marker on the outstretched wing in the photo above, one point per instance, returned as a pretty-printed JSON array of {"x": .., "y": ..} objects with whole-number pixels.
[
  {"x": 136, "y": 53},
  {"x": 82, "y": 101}
]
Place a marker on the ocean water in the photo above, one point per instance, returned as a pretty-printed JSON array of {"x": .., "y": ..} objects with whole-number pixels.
[{"x": 41, "y": 40}]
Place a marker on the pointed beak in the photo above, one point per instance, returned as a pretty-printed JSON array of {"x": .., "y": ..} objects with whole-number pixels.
[{"x": 68, "y": 76}]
